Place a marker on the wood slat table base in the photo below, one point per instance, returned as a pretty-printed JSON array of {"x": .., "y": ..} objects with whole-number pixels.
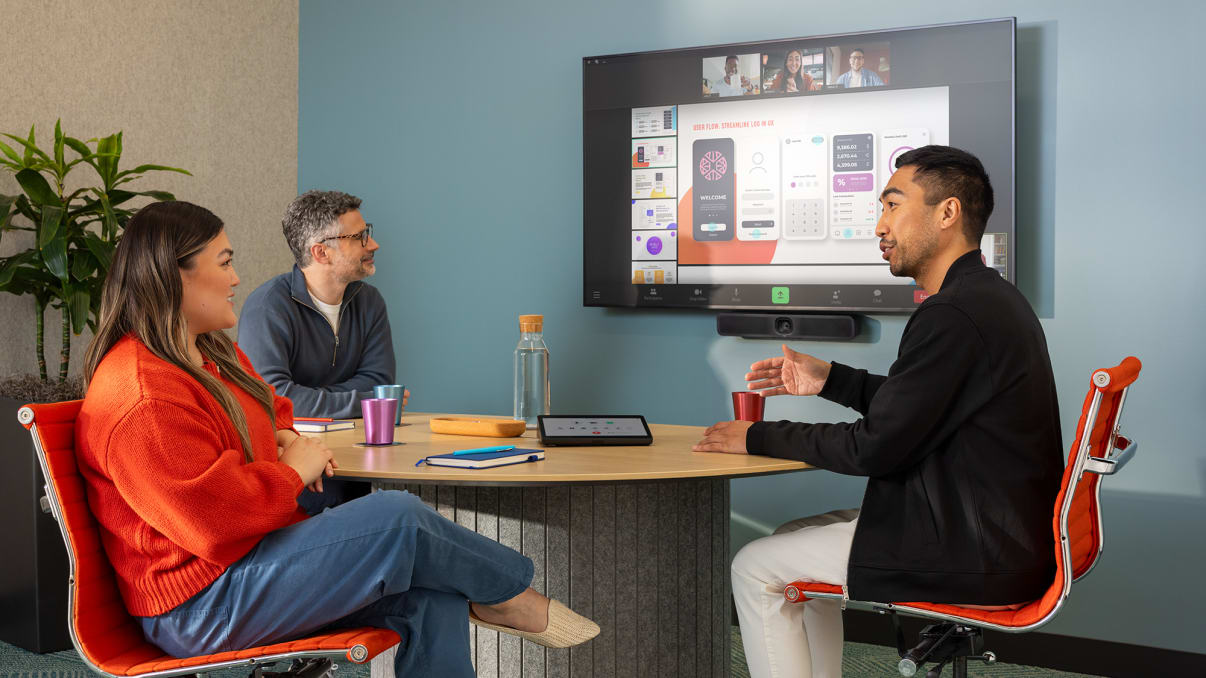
[{"x": 644, "y": 560}]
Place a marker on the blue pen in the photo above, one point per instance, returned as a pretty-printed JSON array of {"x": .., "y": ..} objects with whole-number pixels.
[{"x": 482, "y": 450}]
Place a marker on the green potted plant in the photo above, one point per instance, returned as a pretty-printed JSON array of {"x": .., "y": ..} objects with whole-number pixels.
[{"x": 74, "y": 232}]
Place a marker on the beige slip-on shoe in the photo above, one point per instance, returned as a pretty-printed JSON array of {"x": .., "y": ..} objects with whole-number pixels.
[{"x": 566, "y": 628}]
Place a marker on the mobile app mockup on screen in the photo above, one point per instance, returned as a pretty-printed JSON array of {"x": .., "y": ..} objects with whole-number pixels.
[
  {"x": 853, "y": 201},
  {"x": 894, "y": 143},
  {"x": 805, "y": 160},
  {"x": 758, "y": 189},
  {"x": 712, "y": 186}
]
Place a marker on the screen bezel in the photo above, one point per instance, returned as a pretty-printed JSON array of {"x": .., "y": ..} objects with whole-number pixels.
[{"x": 636, "y": 296}]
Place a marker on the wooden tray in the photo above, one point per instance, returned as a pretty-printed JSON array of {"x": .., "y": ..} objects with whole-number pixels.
[{"x": 476, "y": 426}]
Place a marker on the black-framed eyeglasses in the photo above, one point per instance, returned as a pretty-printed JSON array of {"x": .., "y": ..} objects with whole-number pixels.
[{"x": 362, "y": 236}]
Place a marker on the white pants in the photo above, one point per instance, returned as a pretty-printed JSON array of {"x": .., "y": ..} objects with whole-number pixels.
[{"x": 784, "y": 639}]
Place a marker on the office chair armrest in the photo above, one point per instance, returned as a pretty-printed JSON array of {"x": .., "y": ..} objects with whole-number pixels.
[{"x": 1124, "y": 449}]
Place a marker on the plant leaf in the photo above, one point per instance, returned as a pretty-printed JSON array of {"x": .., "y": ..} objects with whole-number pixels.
[
  {"x": 54, "y": 255},
  {"x": 25, "y": 209},
  {"x": 8, "y": 150},
  {"x": 108, "y": 219},
  {"x": 73, "y": 205},
  {"x": 58, "y": 142},
  {"x": 37, "y": 188},
  {"x": 78, "y": 299},
  {"x": 10, "y": 265},
  {"x": 52, "y": 217},
  {"x": 6, "y": 211},
  {"x": 147, "y": 168},
  {"x": 108, "y": 151},
  {"x": 73, "y": 163},
  {"x": 77, "y": 146},
  {"x": 102, "y": 250},
  {"x": 83, "y": 263},
  {"x": 30, "y": 151},
  {"x": 117, "y": 197},
  {"x": 29, "y": 148},
  {"x": 158, "y": 195},
  {"x": 89, "y": 207},
  {"x": 7, "y": 269}
]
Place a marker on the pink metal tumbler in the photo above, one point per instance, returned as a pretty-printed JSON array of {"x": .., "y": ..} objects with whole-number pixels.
[{"x": 378, "y": 420}]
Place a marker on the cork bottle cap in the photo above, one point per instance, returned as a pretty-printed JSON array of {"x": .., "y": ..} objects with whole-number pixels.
[{"x": 531, "y": 323}]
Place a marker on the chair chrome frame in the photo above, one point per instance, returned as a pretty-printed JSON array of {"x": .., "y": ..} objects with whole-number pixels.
[
  {"x": 1121, "y": 450},
  {"x": 51, "y": 503}
]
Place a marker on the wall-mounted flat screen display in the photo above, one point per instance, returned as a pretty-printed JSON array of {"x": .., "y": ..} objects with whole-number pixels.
[{"x": 748, "y": 176}]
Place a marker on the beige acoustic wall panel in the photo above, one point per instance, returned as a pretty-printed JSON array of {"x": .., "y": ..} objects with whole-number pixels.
[{"x": 209, "y": 86}]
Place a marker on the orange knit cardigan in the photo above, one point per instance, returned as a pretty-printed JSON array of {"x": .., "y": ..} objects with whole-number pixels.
[{"x": 167, "y": 480}]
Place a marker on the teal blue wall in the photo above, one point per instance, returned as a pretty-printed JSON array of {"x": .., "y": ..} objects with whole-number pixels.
[{"x": 472, "y": 174}]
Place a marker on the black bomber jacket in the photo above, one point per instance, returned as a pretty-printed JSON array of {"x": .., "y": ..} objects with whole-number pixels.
[{"x": 961, "y": 444}]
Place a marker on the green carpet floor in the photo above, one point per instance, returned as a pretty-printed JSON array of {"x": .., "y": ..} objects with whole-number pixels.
[{"x": 859, "y": 661}]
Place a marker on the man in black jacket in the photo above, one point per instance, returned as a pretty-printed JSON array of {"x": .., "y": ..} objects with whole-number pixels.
[{"x": 960, "y": 441}]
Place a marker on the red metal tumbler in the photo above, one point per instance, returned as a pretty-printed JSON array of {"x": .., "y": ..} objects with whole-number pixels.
[{"x": 747, "y": 405}]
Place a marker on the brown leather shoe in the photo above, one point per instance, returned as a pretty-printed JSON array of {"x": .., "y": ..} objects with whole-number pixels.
[{"x": 566, "y": 628}]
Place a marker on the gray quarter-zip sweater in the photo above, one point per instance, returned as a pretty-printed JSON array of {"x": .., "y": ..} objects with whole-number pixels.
[{"x": 292, "y": 346}]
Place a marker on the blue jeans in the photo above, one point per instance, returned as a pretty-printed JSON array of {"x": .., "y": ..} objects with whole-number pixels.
[{"x": 384, "y": 560}]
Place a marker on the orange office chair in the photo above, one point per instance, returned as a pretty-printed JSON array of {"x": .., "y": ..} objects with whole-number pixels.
[
  {"x": 107, "y": 638},
  {"x": 1099, "y": 450}
]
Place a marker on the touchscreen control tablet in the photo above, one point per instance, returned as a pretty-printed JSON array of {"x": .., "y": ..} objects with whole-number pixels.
[{"x": 594, "y": 430}]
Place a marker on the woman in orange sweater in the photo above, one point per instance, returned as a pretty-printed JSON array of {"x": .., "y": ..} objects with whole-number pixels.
[{"x": 193, "y": 471}]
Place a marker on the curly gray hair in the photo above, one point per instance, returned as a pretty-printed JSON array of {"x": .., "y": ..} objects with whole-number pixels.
[{"x": 311, "y": 216}]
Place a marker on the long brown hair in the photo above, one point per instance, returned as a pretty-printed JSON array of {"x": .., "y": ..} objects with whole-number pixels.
[
  {"x": 143, "y": 294},
  {"x": 802, "y": 85}
]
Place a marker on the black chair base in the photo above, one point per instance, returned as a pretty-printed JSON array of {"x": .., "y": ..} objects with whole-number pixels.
[
  {"x": 941, "y": 644},
  {"x": 314, "y": 667}
]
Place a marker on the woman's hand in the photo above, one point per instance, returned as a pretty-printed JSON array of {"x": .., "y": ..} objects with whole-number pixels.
[
  {"x": 311, "y": 459},
  {"x": 793, "y": 374},
  {"x": 284, "y": 437}
]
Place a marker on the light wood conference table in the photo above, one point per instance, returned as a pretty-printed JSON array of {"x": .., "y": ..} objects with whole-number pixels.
[{"x": 637, "y": 538}]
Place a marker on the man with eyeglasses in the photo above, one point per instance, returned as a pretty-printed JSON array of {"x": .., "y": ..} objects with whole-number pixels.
[
  {"x": 319, "y": 334},
  {"x": 858, "y": 76}
]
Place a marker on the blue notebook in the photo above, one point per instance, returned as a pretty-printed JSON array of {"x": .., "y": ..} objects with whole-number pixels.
[{"x": 483, "y": 459}]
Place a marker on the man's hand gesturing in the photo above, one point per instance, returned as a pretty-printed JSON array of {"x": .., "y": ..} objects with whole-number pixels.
[{"x": 793, "y": 374}]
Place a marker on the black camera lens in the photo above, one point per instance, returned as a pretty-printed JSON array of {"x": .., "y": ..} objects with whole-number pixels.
[{"x": 783, "y": 326}]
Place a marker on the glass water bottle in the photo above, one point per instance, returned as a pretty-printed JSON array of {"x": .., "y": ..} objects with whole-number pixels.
[{"x": 531, "y": 370}]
